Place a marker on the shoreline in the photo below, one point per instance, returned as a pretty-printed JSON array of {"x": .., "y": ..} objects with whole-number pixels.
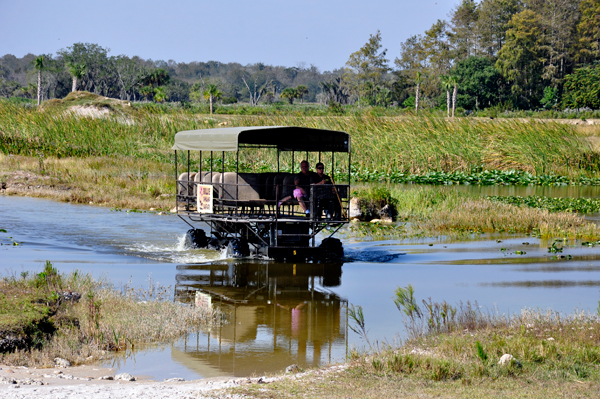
[{"x": 87, "y": 381}]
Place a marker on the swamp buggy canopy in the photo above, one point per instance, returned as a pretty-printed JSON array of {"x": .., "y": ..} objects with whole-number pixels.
[{"x": 283, "y": 138}]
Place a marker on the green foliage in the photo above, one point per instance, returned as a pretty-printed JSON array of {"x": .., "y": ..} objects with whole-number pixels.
[
  {"x": 409, "y": 102},
  {"x": 479, "y": 82},
  {"x": 405, "y": 301},
  {"x": 582, "y": 88},
  {"x": 550, "y": 98},
  {"x": 357, "y": 319},
  {"x": 579, "y": 205},
  {"x": 367, "y": 69},
  {"x": 481, "y": 354},
  {"x": 290, "y": 94},
  {"x": 520, "y": 59}
]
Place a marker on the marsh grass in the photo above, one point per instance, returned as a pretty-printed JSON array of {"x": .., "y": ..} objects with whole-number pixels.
[
  {"x": 383, "y": 147},
  {"x": 434, "y": 211},
  {"x": 119, "y": 182},
  {"x": 106, "y": 319},
  {"x": 554, "y": 355}
]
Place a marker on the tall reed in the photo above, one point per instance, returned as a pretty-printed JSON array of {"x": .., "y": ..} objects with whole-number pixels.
[{"x": 384, "y": 144}]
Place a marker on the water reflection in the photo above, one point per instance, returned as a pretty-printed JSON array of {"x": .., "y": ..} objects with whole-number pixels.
[{"x": 278, "y": 314}]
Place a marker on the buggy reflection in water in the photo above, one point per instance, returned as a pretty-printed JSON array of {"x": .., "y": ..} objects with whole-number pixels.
[{"x": 278, "y": 314}]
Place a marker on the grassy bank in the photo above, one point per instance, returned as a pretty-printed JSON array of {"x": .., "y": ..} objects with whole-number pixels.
[
  {"x": 75, "y": 317},
  {"x": 455, "y": 351},
  {"x": 433, "y": 211}
]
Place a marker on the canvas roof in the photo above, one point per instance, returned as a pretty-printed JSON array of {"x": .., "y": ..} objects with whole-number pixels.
[{"x": 285, "y": 138}]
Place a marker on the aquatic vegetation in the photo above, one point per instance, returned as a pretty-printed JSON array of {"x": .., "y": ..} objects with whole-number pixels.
[{"x": 580, "y": 205}]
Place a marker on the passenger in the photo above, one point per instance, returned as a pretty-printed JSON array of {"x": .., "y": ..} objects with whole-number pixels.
[
  {"x": 302, "y": 182},
  {"x": 326, "y": 199},
  {"x": 320, "y": 177}
]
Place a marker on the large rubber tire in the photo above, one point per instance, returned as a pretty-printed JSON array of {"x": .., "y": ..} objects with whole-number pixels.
[
  {"x": 196, "y": 238},
  {"x": 332, "y": 249},
  {"x": 237, "y": 248}
]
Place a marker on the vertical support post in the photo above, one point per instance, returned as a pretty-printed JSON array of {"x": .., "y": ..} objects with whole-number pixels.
[
  {"x": 176, "y": 179},
  {"x": 293, "y": 154},
  {"x": 278, "y": 154},
  {"x": 237, "y": 176},
  {"x": 222, "y": 176},
  {"x": 333, "y": 166},
  {"x": 188, "y": 185}
]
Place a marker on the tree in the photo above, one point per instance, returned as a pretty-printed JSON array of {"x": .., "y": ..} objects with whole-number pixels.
[
  {"x": 147, "y": 92},
  {"x": 290, "y": 94},
  {"x": 38, "y": 63},
  {"x": 100, "y": 76},
  {"x": 156, "y": 77},
  {"x": 160, "y": 95},
  {"x": 589, "y": 31},
  {"x": 521, "y": 58},
  {"x": 447, "y": 85},
  {"x": 492, "y": 23},
  {"x": 480, "y": 82},
  {"x": 367, "y": 68},
  {"x": 212, "y": 93},
  {"x": 463, "y": 35},
  {"x": 302, "y": 91},
  {"x": 559, "y": 21},
  {"x": 77, "y": 71},
  {"x": 418, "y": 80},
  {"x": 454, "y": 83},
  {"x": 335, "y": 91},
  {"x": 258, "y": 90},
  {"x": 582, "y": 88}
]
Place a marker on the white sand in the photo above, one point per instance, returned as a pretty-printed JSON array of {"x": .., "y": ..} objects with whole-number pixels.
[{"x": 85, "y": 382}]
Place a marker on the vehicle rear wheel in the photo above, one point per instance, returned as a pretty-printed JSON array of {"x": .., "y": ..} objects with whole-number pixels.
[{"x": 196, "y": 238}]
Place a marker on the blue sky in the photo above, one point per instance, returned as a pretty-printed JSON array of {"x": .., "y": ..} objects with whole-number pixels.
[{"x": 323, "y": 33}]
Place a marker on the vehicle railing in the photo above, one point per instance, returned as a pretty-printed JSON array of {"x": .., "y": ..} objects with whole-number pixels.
[{"x": 326, "y": 201}]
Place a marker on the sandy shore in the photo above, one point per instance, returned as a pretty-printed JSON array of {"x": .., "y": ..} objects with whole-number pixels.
[{"x": 91, "y": 382}]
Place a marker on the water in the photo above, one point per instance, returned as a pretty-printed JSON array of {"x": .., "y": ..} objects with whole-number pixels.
[{"x": 281, "y": 314}]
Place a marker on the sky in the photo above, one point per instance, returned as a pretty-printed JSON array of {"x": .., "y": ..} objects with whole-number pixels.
[{"x": 287, "y": 33}]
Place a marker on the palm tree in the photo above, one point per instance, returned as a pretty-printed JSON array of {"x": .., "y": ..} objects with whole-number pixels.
[
  {"x": 77, "y": 71},
  {"x": 447, "y": 85},
  {"x": 418, "y": 80},
  {"x": 302, "y": 91},
  {"x": 38, "y": 63},
  {"x": 212, "y": 93},
  {"x": 147, "y": 92},
  {"x": 290, "y": 93},
  {"x": 159, "y": 94},
  {"x": 454, "y": 83}
]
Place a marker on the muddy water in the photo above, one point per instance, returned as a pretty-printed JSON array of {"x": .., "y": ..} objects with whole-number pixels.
[{"x": 281, "y": 314}]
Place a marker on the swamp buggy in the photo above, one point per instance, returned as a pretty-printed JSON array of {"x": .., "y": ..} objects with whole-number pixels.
[{"x": 253, "y": 212}]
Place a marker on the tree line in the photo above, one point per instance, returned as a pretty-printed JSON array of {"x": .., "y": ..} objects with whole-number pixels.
[{"x": 510, "y": 54}]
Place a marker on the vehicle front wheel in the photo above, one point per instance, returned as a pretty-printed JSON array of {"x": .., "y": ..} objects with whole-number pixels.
[
  {"x": 237, "y": 248},
  {"x": 332, "y": 248},
  {"x": 196, "y": 238}
]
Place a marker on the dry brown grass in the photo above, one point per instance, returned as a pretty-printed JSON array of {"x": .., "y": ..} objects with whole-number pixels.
[{"x": 108, "y": 181}]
